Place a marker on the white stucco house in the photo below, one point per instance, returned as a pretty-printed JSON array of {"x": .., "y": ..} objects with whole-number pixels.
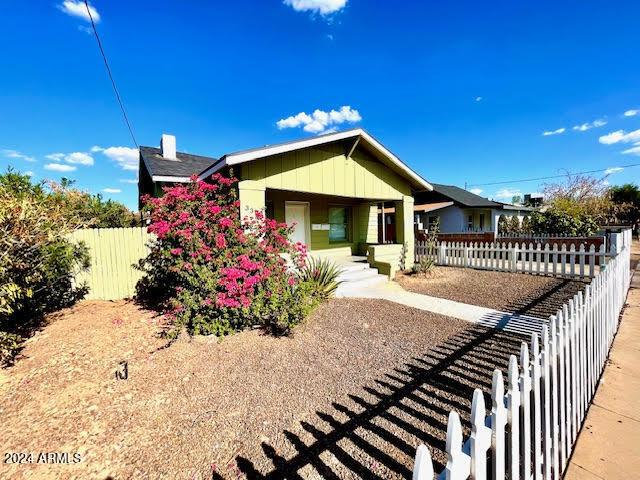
[{"x": 462, "y": 211}]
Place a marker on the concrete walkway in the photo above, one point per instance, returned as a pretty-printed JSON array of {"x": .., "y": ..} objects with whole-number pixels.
[
  {"x": 393, "y": 292},
  {"x": 609, "y": 444}
]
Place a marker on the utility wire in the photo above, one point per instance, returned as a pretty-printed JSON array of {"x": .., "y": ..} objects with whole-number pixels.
[
  {"x": 502, "y": 182},
  {"x": 113, "y": 82}
]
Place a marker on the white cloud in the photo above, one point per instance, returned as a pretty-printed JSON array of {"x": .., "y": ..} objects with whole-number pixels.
[
  {"x": 127, "y": 158},
  {"x": 28, "y": 173},
  {"x": 79, "y": 158},
  {"x": 478, "y": 99},
  {"x": 111, "y": 190},
  {"x": 77, "y": 8},
  {"x": 59, "y": 167},
  {"x": 133, "y": 181},
  {"x": 76, "y": 158},
  {"x": 320, "y": 121},
  {"x": 620, "y": 136},
  {"x": 613, "y": 170},
  {"x": 56, "y": 157},
  {"x": 631, "y": 113},
  {"x": 323, "y": 7},
  {"x": 588, "y": 126},
  {"x": 635, "y": 150},
  {"x": 554, "y": 132},
  {"x": 477, "y": 191},
  {"x": 18, "y": 155},
  {"x": 507, "y": 193}
]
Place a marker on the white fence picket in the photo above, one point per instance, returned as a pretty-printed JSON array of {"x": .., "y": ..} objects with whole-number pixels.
[
  {"x": 507, "y": 257},
  {"x": 535, "y": 424}
]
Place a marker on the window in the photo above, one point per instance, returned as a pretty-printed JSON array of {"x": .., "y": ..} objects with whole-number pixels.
[
  {"x": 431, "y": 222},
  {"x": 482, "y": 222},
  {"x": 470, "y": 222},
  {"x": 339, "y": 222}
]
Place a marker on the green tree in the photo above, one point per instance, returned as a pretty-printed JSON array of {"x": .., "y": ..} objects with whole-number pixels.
[{"x": 626, "y": 200}]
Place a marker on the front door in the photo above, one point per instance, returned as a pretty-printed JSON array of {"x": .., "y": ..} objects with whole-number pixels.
[{"x": 298, "y": 213}]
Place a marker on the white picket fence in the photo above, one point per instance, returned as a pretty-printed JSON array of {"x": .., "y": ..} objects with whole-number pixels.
[
  {"x": 507, "y": 257},
  {"x": 531, "y": 429}
]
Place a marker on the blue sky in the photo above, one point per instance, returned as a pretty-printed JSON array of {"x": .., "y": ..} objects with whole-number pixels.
[{"x": 462, "y": 91}]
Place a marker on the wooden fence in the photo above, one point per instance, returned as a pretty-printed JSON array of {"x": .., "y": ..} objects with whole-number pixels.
[
  {"x": 531, "y": 429},
  {"x": 507, "y": 257},
  {"x": 113, "y": 253}
]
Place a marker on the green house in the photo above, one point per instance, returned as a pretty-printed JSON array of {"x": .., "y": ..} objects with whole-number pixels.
[{"x": 335, "y": 188}]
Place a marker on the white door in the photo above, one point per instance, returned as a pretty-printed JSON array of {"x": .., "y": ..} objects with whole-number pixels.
[{"x": 298, "y": 213}]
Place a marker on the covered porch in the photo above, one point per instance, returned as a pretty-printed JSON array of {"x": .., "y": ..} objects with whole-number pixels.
[{"x": 342, "y": 228}]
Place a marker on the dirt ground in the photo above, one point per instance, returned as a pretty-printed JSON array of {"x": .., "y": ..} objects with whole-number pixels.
[
  {"x": 519, "y": 293},
  {"x": 351, "y": 394}
]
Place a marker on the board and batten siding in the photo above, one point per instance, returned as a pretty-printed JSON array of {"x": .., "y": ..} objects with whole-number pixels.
[
  {"x": 328, "y": 171},
  {"x": 113, "y": 252}
]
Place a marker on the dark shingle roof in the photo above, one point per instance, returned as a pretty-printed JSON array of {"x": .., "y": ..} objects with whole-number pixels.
[
  {"x": 464, "y": 197},
  {"x": 185, "y": 166}
]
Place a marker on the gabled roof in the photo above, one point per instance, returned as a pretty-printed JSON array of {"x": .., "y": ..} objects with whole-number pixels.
[
  {"x": 358, "y": 135},
  {"x": 179, "y": 170},
  {"x": 464, "y": 197}
]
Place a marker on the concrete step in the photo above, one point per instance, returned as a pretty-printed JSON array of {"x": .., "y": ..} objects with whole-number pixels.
[
  {"x": 356, "y": 275},
  {"x": 359, "y": 288},
  {"x": 352, "y": 266}
]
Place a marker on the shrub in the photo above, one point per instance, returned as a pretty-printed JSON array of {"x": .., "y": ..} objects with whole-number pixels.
[
  {"x": 426, "y": 263},
  {"x": 9, "y": 347},
  {"x": 322, "y": 276},
  {"x": 514, "y": 225},
  {"x": 554, "y": 221},
  {"x": 213, "y": 274},
  {"x": 37, "y": 262},
  {"x": 503, "y": 225}
]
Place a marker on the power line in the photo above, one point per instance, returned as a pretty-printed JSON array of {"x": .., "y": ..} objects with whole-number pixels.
[
  {"x": 503, "y": 182},
  {"x": 113, "y": 82}
]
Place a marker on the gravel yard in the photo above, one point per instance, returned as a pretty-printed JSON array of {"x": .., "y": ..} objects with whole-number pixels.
[
  {"x": 507, "y": 292},
  {"x": 351, "y": 394}
]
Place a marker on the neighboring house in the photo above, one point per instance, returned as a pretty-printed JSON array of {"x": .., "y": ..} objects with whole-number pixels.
[
  {"x": 459, "y": 210},
  {"x": 330, "y": 186}
]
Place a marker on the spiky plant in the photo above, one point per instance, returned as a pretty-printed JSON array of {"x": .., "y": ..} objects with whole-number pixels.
[{"x": 322, "y": 274}]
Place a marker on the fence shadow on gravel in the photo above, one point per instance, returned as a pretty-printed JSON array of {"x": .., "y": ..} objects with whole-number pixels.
[
  {"x": 549, "y": 301},
  {"x": 374, "y": 433}
]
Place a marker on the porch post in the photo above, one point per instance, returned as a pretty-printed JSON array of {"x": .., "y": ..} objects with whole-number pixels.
[
  {"x": 252, "y": 197},
  {"x": 384, "y": 226},
  {"x": 404, "y": 228}
]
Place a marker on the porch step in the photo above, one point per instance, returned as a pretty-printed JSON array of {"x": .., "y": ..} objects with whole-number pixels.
[
  {"x": 357, "y": 277},
  {"x": 359, "y": 288},
  {"x": 354, "y": 275}
]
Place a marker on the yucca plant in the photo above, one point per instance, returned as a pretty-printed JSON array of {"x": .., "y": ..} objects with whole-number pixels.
[{"x": 322, "y": 274}]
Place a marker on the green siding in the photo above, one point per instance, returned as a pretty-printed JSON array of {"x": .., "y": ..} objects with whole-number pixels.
[
  {"x": 328, "y": 171},
  {"x": 364, "y": 227}
]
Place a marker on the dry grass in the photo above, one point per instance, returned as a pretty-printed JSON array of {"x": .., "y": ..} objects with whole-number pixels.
[
  {"x": 507, "y": 292},
  {"x": 352, "y": 391}
]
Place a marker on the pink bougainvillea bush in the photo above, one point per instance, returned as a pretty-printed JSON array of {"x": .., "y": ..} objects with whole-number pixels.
[{"x": 212, "y": 273}]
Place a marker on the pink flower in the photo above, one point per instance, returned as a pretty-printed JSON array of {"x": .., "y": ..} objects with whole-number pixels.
[
  {"x": 220, "y": 241},
  {"x": 291, "y": 281},
  {"x": 175, "y": 251},
  {"x": 225, "y": 222}
]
